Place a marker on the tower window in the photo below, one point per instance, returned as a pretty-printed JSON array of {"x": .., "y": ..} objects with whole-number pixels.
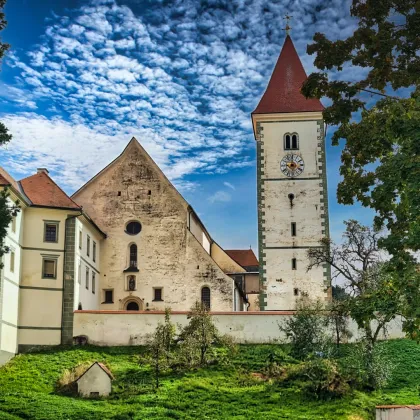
[
  {"x": 294, "y": 263},
  {"x": 157, "y": 294},
  {"x": 291, "y": 141},
  {"x": 133, "y": 255},
  {"x": 293, "y": 228},
  {"x": 296, "y": 291},
  {"x": 205, "y": 297}
]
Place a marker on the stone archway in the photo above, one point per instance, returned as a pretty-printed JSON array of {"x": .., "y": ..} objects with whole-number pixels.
[{"x": 129, "y": 304}]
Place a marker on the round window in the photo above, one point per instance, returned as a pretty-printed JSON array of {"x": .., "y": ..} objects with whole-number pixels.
[{"x": 133, "y": 228}]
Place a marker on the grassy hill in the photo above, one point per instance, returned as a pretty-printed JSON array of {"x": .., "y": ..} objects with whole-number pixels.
[{"x": 27, "y": 389}]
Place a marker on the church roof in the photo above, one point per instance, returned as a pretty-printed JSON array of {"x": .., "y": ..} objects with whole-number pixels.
[
  {"x": 283, "y": 91},
  {"x": 43, "y": 191},
  {"x": 244, "y": 257}
]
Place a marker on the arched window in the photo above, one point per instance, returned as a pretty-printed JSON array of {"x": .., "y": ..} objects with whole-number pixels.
[
  {"x": 133, "y": 256},
  {"x": 205, "y": 297},
  {"x": 291, "y": 141},
  {"x": 133, "y": 228},
  {"x": 132, "y": 306}
]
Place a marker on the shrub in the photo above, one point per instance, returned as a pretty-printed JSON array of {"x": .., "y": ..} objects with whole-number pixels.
[
  {"x": 368, "y": 367},
  {"x": 306, "y": 330},
  {"x": 66, "y": 384}
]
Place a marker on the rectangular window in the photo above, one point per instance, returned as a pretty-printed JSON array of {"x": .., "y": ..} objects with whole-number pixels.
[
  {"x": 50, "y": 232},
  {"x": 94, "y": 251},
  {"x": 157, "y": 294},
  {"x": 296, "y": 292},
  {"x": 14, "y": 224},
  {"x": 87, "y": 278},
  {"x": 93, "y": 282},
  {"x": 88, "y": 245},
  {"x": 80, "y": 239},
  {"x": 79, "y": 273},
  {"x": 12, "y": 261},
  {"x": 49, "y": 268},
  {"x": 109, "y": 296},
  {"x": 294, "y": 264},
  {"x": 293, "y": 225}
]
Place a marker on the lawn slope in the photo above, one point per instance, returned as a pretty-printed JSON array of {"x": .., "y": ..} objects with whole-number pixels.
[{"x": 27, "y": 389}]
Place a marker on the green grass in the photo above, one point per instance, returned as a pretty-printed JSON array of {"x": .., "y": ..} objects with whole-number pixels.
[{"x": 27, "y": 389}]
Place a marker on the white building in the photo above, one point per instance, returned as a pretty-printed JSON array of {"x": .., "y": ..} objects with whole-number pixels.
[{"x": 292, "y": 186}]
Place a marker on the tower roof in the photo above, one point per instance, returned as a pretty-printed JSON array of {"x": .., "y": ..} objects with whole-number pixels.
[{"x": 283, "y": 91}]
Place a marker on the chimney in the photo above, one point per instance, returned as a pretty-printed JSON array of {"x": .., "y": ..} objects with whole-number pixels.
[{"x": 42, "y": 170}]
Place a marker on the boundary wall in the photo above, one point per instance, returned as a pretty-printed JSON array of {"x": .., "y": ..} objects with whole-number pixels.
[{"x": 127, "y": 328}]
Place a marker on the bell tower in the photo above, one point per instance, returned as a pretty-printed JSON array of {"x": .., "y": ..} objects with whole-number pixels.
[{"x": 292, "y": 186}]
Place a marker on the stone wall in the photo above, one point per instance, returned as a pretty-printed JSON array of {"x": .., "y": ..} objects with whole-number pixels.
[{"x": 112, "y": 328}]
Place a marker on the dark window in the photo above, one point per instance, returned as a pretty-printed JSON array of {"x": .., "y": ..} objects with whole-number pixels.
[
  {"x": 109, "y": 296},
  {"x": 80, "y": 239},
  {"x": 294, "y": 141},
  {"x": 87, "y": 278},
  {"x": 93, "y": 282},
  {"x": 205, "y": 297},
  {"x": 157, "y": 294},
  {"x": 296, "y": 292},
  {"x": 88, "y": 245},
  {"x": 291, "y": 141},
  {"x": 287, "y": 141},
  {"x": 80, "y": 307},
  {"x": 50, "y": 232},
  {"x": 119, "y": 193},
  {"x": 294, "y": 263},
  {"x": 293, "y": 225},
  {"x": 131, "y": 283},
  {"x": 149, "y": 192},
  {"x": 49, "y": 269},
  {"x": 132, "y": 306},
  {"x": 94, "y": 251},
  {"x": 133, "y": 228},
  {"x": 133, "y": 255}
]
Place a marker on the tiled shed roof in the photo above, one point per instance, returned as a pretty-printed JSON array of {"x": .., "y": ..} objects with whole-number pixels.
[
  {"x": 244, "y": 257},
  {"x": 283, "y": 91}
]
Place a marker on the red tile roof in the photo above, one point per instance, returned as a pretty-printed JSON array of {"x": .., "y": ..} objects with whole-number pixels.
[
  {"x": 7, "y": 179},
  {"x": 43, "y": 191},
  {"x": 283, "y": 90},
  {"x": 244, "y": 257}
]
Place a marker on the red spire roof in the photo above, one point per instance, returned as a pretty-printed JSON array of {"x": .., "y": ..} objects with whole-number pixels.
[{"x": 283, "y": 90}]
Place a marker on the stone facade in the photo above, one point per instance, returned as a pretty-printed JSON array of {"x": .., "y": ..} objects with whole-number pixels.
[
  {"x": 173, "y": 248},
  {"x": 283, "y": 253}
]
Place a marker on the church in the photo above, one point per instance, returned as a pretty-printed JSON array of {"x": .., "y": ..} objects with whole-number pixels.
[{"x": 128, "y": 241}]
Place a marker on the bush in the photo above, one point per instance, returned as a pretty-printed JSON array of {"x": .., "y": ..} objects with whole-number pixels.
[
  {"x": 368, "y": 367},
  {"x": 306, "y": 330},
  {"x": 66, "y": 384}
]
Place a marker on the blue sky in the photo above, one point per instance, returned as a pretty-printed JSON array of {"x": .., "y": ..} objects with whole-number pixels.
[{"x": 83, "y": 77}]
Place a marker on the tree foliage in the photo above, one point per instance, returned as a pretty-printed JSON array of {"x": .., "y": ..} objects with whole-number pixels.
[
  {"x": 373, "y": 295},
  {"x": 4, "y": 134},
  {"x": 380, "y": 160}
]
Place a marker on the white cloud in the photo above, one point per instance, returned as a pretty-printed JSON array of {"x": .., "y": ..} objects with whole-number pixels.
[
  {"x": 229, "y": 185},
  {"x": 220, "y": 196}
]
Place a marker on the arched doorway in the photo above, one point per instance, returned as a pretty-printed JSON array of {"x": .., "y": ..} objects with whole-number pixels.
[{"x": 132, "y": 306}]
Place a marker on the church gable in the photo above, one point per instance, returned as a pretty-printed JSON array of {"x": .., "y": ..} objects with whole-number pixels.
[{"x": 131, "y": 184}]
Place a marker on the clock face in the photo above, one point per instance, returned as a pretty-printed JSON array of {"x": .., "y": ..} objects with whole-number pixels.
[{"x": 292, "y": 165}]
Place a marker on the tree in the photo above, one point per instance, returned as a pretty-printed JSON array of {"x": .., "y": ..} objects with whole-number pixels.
[
  {"x": 160, "y": 346},
  {"x": 373, "y": 297},
  {"x": 380, "y": 160},
  {"x": 200, "y": 336},
  {"x": 6, "y": 212}
]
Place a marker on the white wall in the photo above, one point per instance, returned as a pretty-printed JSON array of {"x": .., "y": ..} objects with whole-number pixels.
[
  {"x": 124, "y": 328},
  {"x": 83, "y": 295}
]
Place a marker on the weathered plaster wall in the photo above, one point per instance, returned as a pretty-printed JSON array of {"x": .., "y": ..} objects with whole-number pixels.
[
  {"x": 133, "y": 188},
  {"x": 125, "y": 328},
  {"x": 226, "y": 263},
  {"x": 94, "y": 380},
  {"x": 281, "y": 283}
]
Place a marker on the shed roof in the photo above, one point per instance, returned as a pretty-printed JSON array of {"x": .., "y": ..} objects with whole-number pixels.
[
  {"x": 244, "y": 257},
  {"x": 101, "y": 365},
  {"x": 283, "y": 90}
]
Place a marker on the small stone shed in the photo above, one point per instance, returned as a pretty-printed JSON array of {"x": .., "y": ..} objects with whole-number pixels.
[
  {"x": 398, "y": 412},
  {"x": 96, "y": 381}
]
